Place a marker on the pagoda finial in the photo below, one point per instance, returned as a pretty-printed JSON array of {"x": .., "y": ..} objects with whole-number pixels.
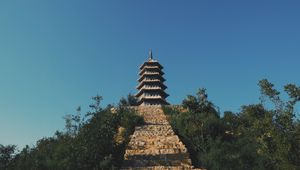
[{"x": 150, "y": 55}]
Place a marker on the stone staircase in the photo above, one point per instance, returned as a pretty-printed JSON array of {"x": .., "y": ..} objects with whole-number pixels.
[{"x": 154, "y": 146}]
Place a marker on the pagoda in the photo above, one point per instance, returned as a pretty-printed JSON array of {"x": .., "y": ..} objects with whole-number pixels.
[{"x": 151, "y": 88}]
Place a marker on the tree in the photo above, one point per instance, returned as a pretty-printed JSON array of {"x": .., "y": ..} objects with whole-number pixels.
[
  {"x": 294, "y": 93},
  {"x": 88, "y": 142},
  {"x": 199, "y": 103},
  {"x": 131, "y": 100},
  {"x": 197, "y": 126},
  {"x": 6, "y": 155},
  {"x": 257, "y": 137},
  {"x": 73, "y": 122}
]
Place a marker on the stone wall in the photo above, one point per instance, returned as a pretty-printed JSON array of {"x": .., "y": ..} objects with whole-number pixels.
[{"x": 155, "y": 145}]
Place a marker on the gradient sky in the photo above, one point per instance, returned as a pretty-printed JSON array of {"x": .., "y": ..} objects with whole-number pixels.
[{"x": 55, "y": 55}]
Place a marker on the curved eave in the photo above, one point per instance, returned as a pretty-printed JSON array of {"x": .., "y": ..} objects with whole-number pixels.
[
  {"x": 161, "y": 84},
  {"x": 163, "y": 87},
  {"x": 151, "y": 63},
  {"x": 156, "y": 69},
  {"x": 162, "y": 92},
  {"x": 151, "y": 74}
]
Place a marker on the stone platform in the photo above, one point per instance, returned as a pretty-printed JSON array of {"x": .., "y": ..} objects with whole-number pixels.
[{"x": 155, "y": 146}]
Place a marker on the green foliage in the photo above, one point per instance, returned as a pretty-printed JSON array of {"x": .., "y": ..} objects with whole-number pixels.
[
  {"x": 197, "y": 126},
  {"x": 199, "y": 103},
  {"x": 294, "y": 92},
  {"x": 88, "y": 142},
  {"x": 131, "y": 100},
  {"x": 267, "y": 89},
  {"x": 254, "y": 138},
  {"x": 6, "y": 155}
]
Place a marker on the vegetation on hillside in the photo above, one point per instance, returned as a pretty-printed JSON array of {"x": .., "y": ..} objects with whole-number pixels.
[
  {"x": 254, "y": 138},
  {"x": 94, "y": 141},
  {"x": 257, "y": 137}
]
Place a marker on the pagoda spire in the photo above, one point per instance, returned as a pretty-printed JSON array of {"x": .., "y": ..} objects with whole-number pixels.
[{"x": 150, "y": 55}]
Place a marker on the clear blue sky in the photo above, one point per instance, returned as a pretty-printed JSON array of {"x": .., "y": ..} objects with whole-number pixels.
[{"x": 55, "y": 55}]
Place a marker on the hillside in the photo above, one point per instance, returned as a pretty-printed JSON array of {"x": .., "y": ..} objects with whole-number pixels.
[{"x": 192, "y": 135}]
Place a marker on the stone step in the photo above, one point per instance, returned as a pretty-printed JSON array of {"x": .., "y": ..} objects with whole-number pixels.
[
  {"x": 171, "y": 156},
  {"x": 155, "y": 145},
  {"x": 134, "y": 150},
  {"x": 166, "y": 162},
  {"x": 160, "y": 168}
]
